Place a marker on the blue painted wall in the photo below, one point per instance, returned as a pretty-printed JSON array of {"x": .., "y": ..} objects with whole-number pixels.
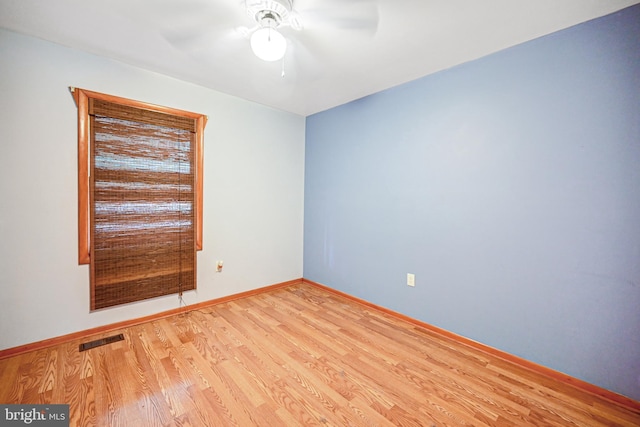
[{"x": 510, "y": 186}]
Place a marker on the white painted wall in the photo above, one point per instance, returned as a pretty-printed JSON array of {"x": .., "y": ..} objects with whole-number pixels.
[{"x": 253, "y": 189}]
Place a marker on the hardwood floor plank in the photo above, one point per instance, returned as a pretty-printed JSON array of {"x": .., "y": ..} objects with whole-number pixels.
[
  {"x": 295, "y": 355},
  {"x": 10, "y": 374},
  {"x": 221, "y": 391}
]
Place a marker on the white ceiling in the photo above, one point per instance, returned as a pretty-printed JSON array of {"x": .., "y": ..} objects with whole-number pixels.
[{"x": 330, "y": 62}]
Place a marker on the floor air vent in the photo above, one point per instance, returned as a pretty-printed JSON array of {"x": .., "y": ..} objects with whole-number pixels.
[{"x": 102, "y": 341}]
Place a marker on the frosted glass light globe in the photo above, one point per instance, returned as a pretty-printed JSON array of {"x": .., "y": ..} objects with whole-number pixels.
[{"x": 268, "y": 44}]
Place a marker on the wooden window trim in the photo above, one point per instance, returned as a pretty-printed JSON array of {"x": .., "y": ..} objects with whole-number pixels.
[{"x": 82, "y": 97}]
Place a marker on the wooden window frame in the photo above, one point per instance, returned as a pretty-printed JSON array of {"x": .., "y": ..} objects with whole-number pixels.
[{"x": 82, "y": 97}]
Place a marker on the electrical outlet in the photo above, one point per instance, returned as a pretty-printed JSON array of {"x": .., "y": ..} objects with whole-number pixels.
[{"x": 411, "y": 279}]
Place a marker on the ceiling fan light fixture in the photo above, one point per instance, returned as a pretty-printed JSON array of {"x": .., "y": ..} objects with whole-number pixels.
[{"x": 268, "y": 44}]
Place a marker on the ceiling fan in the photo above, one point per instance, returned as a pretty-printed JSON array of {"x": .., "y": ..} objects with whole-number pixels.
[
  {"x": 269, "y": 44},
  {"x": 273, "y": 24}
]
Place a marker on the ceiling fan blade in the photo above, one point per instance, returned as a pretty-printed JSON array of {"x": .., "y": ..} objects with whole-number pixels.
[
  {"x": 361, "y": 15},
  {"x": 303, "y": 59},
  {"x": 190, "y": 23}
]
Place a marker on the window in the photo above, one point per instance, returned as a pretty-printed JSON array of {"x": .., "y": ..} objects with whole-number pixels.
[{"x": 139, "y": 197}]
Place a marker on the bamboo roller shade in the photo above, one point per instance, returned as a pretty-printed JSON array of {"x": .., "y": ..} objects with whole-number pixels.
[{"x": 142, "y": 198}]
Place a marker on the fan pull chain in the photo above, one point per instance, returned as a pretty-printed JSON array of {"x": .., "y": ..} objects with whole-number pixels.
[{"x": 282, "y": 74}]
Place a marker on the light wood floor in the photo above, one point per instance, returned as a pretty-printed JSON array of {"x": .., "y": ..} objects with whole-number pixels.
[{"x": 288, "y": 357}]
